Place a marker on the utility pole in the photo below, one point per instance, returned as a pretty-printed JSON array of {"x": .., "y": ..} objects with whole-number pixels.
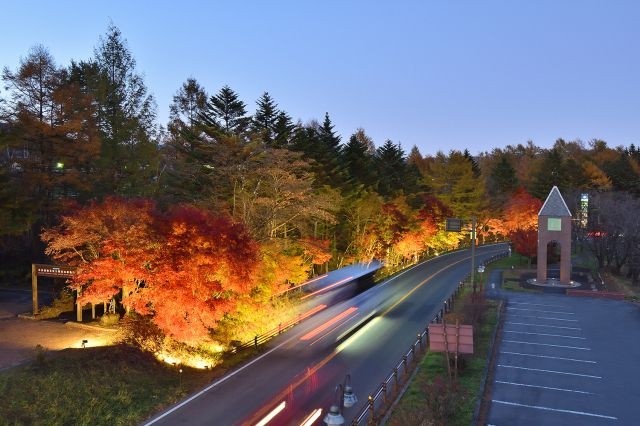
[
  {"x": 455, "y": 225},
  {"x": 473, "y": 253}
]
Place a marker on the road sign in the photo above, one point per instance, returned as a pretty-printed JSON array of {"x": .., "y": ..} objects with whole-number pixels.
[
  {"x": 451, "y": 338},
  {"x": 453, "y": 224}
]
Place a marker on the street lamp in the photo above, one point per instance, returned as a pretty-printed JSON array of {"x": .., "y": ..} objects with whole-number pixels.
[{"x": 346, "y": 399}]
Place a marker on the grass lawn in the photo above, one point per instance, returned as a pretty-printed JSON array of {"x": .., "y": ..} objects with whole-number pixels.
[{"x": 115, "y": 385}]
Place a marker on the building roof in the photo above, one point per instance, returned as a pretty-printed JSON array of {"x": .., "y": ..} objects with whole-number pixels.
[{"x": 554, "y": 205}]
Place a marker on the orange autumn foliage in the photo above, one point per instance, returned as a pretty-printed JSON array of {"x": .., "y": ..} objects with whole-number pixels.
[
  {"x": 521, "y": 212},
  {"x": 185, "y": 269}
]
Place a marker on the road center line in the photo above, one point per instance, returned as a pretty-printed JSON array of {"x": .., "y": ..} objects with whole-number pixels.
[
  {"x": 549, "y": 371},
  {"x": 528, "y": 324},
  {"x": 538, "y": 407},
  {"x": 547, "y": 344},
  {"x": 547, "y": 356},
  {"x": 545, "y": 334},
  {"x": 543, "y": 387}
]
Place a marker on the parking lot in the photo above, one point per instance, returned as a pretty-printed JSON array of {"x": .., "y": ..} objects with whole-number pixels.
[{"x": 567, "y": 361}]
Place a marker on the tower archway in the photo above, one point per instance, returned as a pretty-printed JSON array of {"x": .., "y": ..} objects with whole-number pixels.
[{"x": 554, "y": 237}]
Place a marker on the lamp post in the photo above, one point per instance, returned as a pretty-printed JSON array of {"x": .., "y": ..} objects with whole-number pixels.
[{"x": 347, "y": 399}]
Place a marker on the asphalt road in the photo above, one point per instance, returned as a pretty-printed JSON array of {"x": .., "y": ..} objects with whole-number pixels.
[
  {"x": 567, "y": 361},
  {"x": 302, "y": 368}
]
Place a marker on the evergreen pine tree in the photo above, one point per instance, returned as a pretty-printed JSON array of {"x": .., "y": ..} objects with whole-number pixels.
[
  {"x": 228, "y": 112},
  {"x": 265, "y": 118},
  {"x": 391, "y": 168},
  {"x": 283, "y": 130},
  {"x": 126, "y": 119},
  {"x": 357, "y": 163}
]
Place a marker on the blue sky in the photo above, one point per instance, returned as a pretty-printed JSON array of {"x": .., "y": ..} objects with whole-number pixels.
[{"x": 441, "y": 75}]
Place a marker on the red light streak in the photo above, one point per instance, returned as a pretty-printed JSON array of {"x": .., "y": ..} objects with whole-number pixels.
[
  {"x": 329, "y": 323},
  {"x": 312, "y": 311},
  {"x": 327, "y": 287}
]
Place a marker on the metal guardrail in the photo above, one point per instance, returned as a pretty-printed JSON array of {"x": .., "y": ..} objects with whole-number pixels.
[
  {"x": 380, "y": 401},
  {"x": 265, "y": 337}
]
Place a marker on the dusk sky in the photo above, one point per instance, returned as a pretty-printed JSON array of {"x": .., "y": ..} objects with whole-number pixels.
[{"x": 441, "y": 75}]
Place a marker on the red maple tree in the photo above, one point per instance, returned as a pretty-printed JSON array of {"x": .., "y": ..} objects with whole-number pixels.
[
  {"x": 185, "y": 269},
  {"x": 520, "y": 222}
]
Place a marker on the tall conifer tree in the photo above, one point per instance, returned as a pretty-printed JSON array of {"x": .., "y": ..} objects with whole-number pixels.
[
  {"x": 265, "y": 119},
  {"x": 126, "y": 118}
]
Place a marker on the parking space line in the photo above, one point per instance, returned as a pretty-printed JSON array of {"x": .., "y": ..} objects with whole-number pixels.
[
  {"x": 547, "y": 344},
  {"x": 538, "y": 310},
  {"x": 544, "y": 387},
  {"x": 536, "y": 304},
  {"x": 538, "y": 407},
  {"x": 547, "y": 318},
  {"x": 528, "y": 324},
  {"x": 550, "y": 357},
  {"x": 550, "y": 371},
  {"x": 546, "y": 334}
]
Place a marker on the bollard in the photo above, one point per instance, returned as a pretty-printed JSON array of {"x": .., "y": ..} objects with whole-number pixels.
[{"x": 371, "y": 408}]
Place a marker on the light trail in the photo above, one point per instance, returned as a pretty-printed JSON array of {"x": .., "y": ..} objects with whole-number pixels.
[
  {"x": 329, "y": 323},
  {"x": 311, "y": 418},
  {"x": 329, "y": 287},
  {"x": 272, "y": 414},
  {"x": 357, "y": 335},
  {"x": 303, "y": 284}
]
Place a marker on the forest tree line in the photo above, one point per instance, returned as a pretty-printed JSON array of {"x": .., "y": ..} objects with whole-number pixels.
[{"x": 82, "y": 140}]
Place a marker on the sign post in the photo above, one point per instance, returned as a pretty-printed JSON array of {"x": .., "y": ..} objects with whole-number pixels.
[
  {"x": 38, "y": 270},
  {"x": 454, "y": 224}
]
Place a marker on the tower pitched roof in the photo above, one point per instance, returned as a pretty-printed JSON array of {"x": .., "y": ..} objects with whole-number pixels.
[{"x": 554, "y": 205}]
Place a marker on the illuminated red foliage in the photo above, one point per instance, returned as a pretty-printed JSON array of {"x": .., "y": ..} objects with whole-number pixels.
[
  {"x": 185, "y": 268},
  {"x": 525, "y": 241}
]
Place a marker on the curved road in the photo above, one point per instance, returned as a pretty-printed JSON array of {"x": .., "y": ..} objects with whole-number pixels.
[{"x": 364, "y": 336}]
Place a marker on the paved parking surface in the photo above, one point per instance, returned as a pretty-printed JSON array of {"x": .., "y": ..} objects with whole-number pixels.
[
  {"x": 19, "y": 337},
  {"x": 567, "y": 361}
]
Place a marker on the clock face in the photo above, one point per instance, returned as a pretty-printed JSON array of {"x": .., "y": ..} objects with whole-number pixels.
[{"x": 554, "y": 224}]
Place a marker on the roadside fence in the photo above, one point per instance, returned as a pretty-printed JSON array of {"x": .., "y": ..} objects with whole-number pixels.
[{"x": 381, "y": 400}]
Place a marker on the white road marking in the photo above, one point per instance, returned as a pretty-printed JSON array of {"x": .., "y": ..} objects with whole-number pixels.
[
  {"x": 547, "y": 356},
  {"x": 538, "y": 310},
  {"x": 536, "y": 304},
  {"x": 528, "y": 324},
  {"x": 544, "y": 387},
  {"x": 538, "y": 407},
  {"x": 547, "y": 318},
  {"x": 550, "y": 371},
  {"x": 547, "y": 344},
  {"x": 545, "y": 334}
]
